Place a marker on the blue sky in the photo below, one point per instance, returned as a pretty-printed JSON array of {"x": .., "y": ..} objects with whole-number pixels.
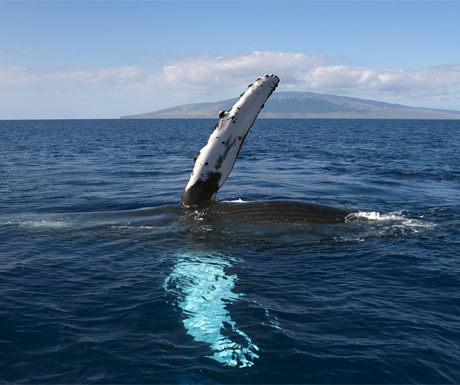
[{"x": 104, "y": 59}]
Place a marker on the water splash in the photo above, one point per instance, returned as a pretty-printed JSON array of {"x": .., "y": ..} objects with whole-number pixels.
[
  {"x": 202, "y": 290},
  {"x": 45, "y": 224},
  {"x": 393, "y": 224}
]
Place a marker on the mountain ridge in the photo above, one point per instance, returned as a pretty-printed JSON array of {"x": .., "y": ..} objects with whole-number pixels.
[{"x": 305, "y": 105}]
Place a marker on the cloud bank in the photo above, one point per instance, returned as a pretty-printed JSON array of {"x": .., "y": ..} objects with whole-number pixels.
[{"x": 200, "y": 77}]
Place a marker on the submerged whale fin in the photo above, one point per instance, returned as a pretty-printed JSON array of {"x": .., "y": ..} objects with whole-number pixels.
[
  {"x": 215, "y": 161},
  {"x": 202, "y": 289}
]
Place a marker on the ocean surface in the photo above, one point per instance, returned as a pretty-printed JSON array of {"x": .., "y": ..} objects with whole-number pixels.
[{"x": 103, "y": 281}]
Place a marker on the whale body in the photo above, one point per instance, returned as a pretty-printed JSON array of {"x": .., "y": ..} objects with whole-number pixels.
[
  {"x": 215, "y": 161},
  {"x": 284, "y": 212}
]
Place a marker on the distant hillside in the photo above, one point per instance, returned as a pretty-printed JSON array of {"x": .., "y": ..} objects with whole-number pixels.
[{"x": 300, "y": 105}]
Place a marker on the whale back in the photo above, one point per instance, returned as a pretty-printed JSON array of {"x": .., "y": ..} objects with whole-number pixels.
[{"x": 284, "y": 212}]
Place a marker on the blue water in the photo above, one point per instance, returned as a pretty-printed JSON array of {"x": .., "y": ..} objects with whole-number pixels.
[{"x": 103, "y": 281}]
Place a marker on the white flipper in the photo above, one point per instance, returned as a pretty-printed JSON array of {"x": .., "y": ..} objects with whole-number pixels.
[
  {"x": 215, "y": 161},
  {"x": 201, "y": 288}
]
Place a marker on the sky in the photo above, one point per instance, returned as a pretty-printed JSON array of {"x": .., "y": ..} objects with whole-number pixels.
[{"x": 104, "y": 59}]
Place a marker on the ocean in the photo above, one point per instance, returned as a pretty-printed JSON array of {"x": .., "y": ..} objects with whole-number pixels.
[{"x": 103, "y": 281}]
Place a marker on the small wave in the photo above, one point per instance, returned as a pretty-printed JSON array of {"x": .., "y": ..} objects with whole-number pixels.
[
  {"x": 45, "y": 224},
  {"x": 376, "y": 216},
  {"x": 395, "y": 222},
  {"x": 239, "y": 200},
  {"x": 131, "y": 227}
]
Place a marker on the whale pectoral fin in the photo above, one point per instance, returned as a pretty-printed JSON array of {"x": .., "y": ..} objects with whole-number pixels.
[{"x": 215, "y": 161}]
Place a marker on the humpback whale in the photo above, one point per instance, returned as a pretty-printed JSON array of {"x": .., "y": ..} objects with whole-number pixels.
[
  {"x": 215, "y": 161},
  {"x": 200, "y": 284}
]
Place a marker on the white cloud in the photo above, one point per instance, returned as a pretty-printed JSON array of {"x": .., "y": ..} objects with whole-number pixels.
[
  {"x": 238, "y": 68},
  {"x": 204, "y": 74},
  {"x": 198, "y": 75},
  {"x": 11, "y": 75},
  {"x": 433, "y": 82}
]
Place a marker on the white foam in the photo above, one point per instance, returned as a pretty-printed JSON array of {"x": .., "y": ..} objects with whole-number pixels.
[
  {"x": 239, "y": 200},
  {"x": 394, "y": 220},
  {"x": 45, "y": 224},
  {"x": 130, "y": 227}
]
